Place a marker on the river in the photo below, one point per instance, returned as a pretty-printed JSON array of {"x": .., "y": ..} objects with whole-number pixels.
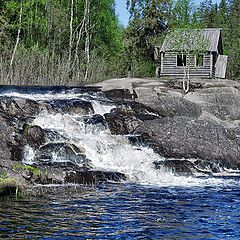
[{"x": 127, "y": 211}]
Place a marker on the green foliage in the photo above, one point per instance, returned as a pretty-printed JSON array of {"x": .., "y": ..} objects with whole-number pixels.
[
  {"x": 150, "y": 20},
  {"x": 48, "y": 54},
  {"x": 3, "y": 174},
  {"x": 147, "y": 20},
  {"x": 28, "y": 168},
  {"x": 184, "y": 14},
  {"x": 45, "y": 32},
  {"x": 225, "y": 15}
]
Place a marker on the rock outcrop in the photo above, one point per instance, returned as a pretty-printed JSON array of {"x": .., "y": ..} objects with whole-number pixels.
[{"x": 203, "y": 124}]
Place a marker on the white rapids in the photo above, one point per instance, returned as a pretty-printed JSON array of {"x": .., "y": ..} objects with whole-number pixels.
[
  {"x": 109, "y": 152},
  {"x": 106, "y": 151}
]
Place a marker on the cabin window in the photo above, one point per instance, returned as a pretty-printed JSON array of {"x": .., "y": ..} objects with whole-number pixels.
[
  {"x": 181, "y": 60},
  {"x": 199, "y": 60}
]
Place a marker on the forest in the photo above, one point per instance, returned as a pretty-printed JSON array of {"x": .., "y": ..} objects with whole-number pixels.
[{"x": 74, "y": 42}]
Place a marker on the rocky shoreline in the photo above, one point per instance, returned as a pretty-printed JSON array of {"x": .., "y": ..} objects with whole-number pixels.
[{"x": 202, "y": 126}]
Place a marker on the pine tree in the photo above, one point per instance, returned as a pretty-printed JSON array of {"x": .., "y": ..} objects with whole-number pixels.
[{"x": 234, "y": 39}]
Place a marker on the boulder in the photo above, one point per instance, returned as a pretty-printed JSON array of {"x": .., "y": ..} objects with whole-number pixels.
[
  {"x": 93, "y": 177},
  {"x": 94, "y": 123},
  {"x": 178, "y": 167},
  {"x": 52, "y": 153},
  {"x": 215, "y": 166},
  {"x": 19, "y": 108},
  {"x": 121, "y": 121},
  {"x": 70, "y": 106},
  {"x": 183, "y": 137},
  {"x": 222, "y": 102},
  {"x": 167, "y": 103},
  {"x": 11, "y": 143},
  {"x": 35, "y": 136}
]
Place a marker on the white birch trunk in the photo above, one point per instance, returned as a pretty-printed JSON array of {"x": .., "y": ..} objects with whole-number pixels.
[
  {"x": 87, "y": 40},
  {"x": 17, "y": 40},
  {"x": 70, "y": 35}
]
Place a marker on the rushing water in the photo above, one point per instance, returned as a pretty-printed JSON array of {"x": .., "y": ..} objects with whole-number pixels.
[{"x": 152, "y": 204}]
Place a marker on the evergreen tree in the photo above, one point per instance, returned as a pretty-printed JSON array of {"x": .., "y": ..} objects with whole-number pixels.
[
  {"x": 148, "y": 21},
  {"x": 183, "y": 14},
  {"x": 234, "y": 39},
  {"x": 207, "y": 11}
]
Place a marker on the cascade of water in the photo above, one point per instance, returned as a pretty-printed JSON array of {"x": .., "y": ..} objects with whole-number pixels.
[
  {"x": 104, "y": 150},
  {"x": 113, "y": 152}
]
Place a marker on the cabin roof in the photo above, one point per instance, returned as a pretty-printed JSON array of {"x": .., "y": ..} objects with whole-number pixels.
[{"x": 212, "y": 35}]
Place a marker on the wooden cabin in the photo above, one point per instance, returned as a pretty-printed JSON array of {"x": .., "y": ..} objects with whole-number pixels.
[{"x": 211, "y": 63}]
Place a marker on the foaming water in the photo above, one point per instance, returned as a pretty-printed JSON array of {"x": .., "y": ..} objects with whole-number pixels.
[
  {"x": 152, "y": 204},
  {"x": 104, "y": 150},
  {"x": 115, "y": 153},
  {"x": 46, "y": 96}
]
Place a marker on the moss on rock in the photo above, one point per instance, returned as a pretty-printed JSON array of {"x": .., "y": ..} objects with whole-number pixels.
[{"x": 8, "y": 186}]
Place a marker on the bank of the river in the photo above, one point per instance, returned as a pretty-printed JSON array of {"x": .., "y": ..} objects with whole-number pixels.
[{"x": 202, "y": 124}]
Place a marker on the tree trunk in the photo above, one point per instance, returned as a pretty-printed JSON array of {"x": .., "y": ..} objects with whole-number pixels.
[
  {"x": 17, "y": 42},
  {"x": 70, "y": 40},
  {"x": 87, "y": 40}
]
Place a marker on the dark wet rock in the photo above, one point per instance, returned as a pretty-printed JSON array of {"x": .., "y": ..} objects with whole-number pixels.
[
  {"x": 121, "y": 121},
  {"x": 8, "y": 187},
  {"x": 136, "y": 140},
  {"x": 93, "y": 177},
  {"x": 17, "y": 108},
  {"x": 70, "y": 106},
  {"x": 120, "y": 94},
  {"x": 11, "y": 143},
  {"x": 179, "y": 167},
  {"x": 35, "y": 136},
  {"x": 215, "y": 166},
  {"x": 140, "y": 111},
  {"x": 54, "y": 136},
  {"x": 94, "y": 119},
  {"x": 61, "y": 152}
]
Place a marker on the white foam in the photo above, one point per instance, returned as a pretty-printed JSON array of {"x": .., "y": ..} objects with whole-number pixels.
[
  {"x": 101, "y": 108},
  {"x": 46, "y": 96},
  {"x": 115, "y": 153}
]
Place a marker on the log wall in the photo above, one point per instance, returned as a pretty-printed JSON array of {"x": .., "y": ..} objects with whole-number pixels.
[{"x": 169, "y": 66}]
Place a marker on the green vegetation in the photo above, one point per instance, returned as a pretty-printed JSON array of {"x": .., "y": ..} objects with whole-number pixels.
[
  {"x": 8, "y": 186},
  {"x": 46, "y": 42},
  {"x": 58, "y": 42},
  {"x": 150, "y": 20},
  {"x": 31, "y": 169}
]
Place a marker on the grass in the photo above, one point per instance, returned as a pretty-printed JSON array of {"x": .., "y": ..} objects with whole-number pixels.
[{"x": 28, "y": 168}]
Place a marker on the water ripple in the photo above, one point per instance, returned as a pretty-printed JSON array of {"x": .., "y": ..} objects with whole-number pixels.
[{"x": 126, "y": 212}]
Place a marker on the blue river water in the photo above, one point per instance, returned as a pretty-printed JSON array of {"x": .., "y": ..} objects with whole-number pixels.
[{"x": 126, "y": 211}]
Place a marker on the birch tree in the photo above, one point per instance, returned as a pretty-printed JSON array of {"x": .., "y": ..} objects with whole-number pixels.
[{"x": 17, "y": 40}]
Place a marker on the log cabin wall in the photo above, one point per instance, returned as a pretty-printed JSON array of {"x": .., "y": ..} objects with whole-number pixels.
[{"x": 169, "y": 66}]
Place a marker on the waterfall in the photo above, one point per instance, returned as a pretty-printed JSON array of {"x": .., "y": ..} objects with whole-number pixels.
[{"x": 103, "y": 150}]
